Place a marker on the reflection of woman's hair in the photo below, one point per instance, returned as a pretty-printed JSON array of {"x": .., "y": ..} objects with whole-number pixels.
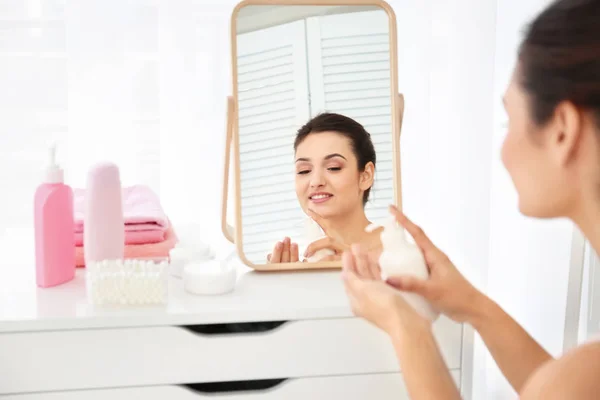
[
  {"x": 560, "y": 58},
  {"x": 362, "y": 146}
]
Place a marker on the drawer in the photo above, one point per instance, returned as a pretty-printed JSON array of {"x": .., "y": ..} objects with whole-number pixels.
[
  {"x": 351, "y": 387},
  {"x": 104, "y": 358}
]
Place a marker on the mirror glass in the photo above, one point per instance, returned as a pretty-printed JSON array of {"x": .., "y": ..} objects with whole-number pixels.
[{"x": 295, "y": 63}]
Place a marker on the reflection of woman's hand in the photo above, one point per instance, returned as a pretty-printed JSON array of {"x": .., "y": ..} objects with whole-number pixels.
[
  {"x": 446, "y": 289},
  {"x": 284, "y": 252},
  {"x": 328, "y": 244},
  {"x": 375, "y": 300}
]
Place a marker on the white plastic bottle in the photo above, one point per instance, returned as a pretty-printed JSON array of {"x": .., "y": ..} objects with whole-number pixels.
[
  {"x": 312, "y": 233},
  {"x": 400, "y": 257},
  {"x": 103, "y": 221}
]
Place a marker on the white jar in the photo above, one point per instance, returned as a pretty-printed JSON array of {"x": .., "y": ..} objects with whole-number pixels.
[{"x": 181, "y": 255}]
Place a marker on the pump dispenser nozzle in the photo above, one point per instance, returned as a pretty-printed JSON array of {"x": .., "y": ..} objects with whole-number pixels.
[
  {"x": 392, "y": 235},
  {"x": 53, "y": 173},
  {"x": 52, "y": 154}
]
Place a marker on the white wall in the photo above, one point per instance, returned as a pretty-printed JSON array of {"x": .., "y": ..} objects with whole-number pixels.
[
  {"x": 195, "y": 79},
  {"x": 142, "y": 83},
  {"x": 446, "y": 70}
]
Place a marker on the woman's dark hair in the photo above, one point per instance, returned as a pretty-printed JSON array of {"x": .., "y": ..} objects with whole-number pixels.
[
  {"x": 560, "y": 58},
  {"x": 362, "y": 146}
]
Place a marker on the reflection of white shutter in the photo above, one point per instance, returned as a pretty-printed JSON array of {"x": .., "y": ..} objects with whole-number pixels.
[
  {"x": 349, "y": 70},
  {"x": 273, "y": 104}
]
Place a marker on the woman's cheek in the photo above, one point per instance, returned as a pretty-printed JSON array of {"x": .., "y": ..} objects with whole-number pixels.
[{"x": 299, "y": 188}]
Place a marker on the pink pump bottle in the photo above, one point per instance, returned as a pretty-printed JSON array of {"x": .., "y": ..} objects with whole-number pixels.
[{"x": 54, "y": 228}]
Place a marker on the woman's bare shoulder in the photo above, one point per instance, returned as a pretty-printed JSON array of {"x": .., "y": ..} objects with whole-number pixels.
[{"x": 575, "y": 375}]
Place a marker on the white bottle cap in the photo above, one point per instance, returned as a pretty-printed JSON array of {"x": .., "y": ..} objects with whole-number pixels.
[
  {"x": 53, "y": 172},
  {"x": 209, "y": 277}
]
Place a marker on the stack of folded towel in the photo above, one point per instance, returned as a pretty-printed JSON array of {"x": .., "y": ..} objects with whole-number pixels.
[{"x": 148, "y": 231}]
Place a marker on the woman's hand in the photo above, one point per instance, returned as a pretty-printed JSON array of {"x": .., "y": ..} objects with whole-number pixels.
[
  {"x": 284, "y": 252},
  {"x": 426, "y": 375},
  {"x": 329, "y": 242},
  {"x": 446, "y": 289},
  {"x": 375, "y": 300}
]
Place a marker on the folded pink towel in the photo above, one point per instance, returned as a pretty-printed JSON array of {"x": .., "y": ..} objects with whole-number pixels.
[
  {"x": 140, "y": 251},
  {"x": 145, "y": 220}
]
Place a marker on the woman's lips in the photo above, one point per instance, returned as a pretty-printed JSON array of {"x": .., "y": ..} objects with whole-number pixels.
[{"x": 320, "y": 197}]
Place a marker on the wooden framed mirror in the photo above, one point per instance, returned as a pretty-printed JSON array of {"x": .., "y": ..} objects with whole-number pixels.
[{"x": 313, "y": 126}]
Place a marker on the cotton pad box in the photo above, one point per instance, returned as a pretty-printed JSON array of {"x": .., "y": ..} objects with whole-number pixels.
[{"x": 127, "y": 282}]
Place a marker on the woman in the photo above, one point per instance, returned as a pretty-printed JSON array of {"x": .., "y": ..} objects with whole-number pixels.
[
  {"x": 552, "y": 153},
  {"x": 335, "y": 169}
]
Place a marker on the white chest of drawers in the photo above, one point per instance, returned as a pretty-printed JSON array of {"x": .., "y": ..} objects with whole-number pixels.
[{"x": 277, "y": 336}]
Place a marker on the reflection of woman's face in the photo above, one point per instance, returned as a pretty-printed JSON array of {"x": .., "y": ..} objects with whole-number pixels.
[{"x": 327, "y": 176}]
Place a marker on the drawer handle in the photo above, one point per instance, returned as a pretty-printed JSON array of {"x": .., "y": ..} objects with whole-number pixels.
[
  {"x": 234, "y": 328},
  {"x": 235, "y": 386}
]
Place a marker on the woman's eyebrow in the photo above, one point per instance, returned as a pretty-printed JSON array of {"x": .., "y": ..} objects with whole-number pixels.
[
  {"x": 326, "y": 157},
  {"x": 335, "y": 155}
]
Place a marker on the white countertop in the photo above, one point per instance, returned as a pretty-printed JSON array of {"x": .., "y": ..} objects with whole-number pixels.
[{"x": 257, "y": 297}]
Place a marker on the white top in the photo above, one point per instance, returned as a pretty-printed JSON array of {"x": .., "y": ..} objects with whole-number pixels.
[
  {"x": 53, "y": 172},
  {"x": 256, "y": 297}
]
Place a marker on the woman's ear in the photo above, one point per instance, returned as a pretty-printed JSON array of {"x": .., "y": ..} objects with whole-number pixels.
[
  {"x": 566, "y": 134},
  {"x": 367, "y": 176}
]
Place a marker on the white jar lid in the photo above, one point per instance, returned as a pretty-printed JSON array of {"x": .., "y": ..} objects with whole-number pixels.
[
  {"x": 209, "y": 277},
  {"x": 197, "y": 252}
]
